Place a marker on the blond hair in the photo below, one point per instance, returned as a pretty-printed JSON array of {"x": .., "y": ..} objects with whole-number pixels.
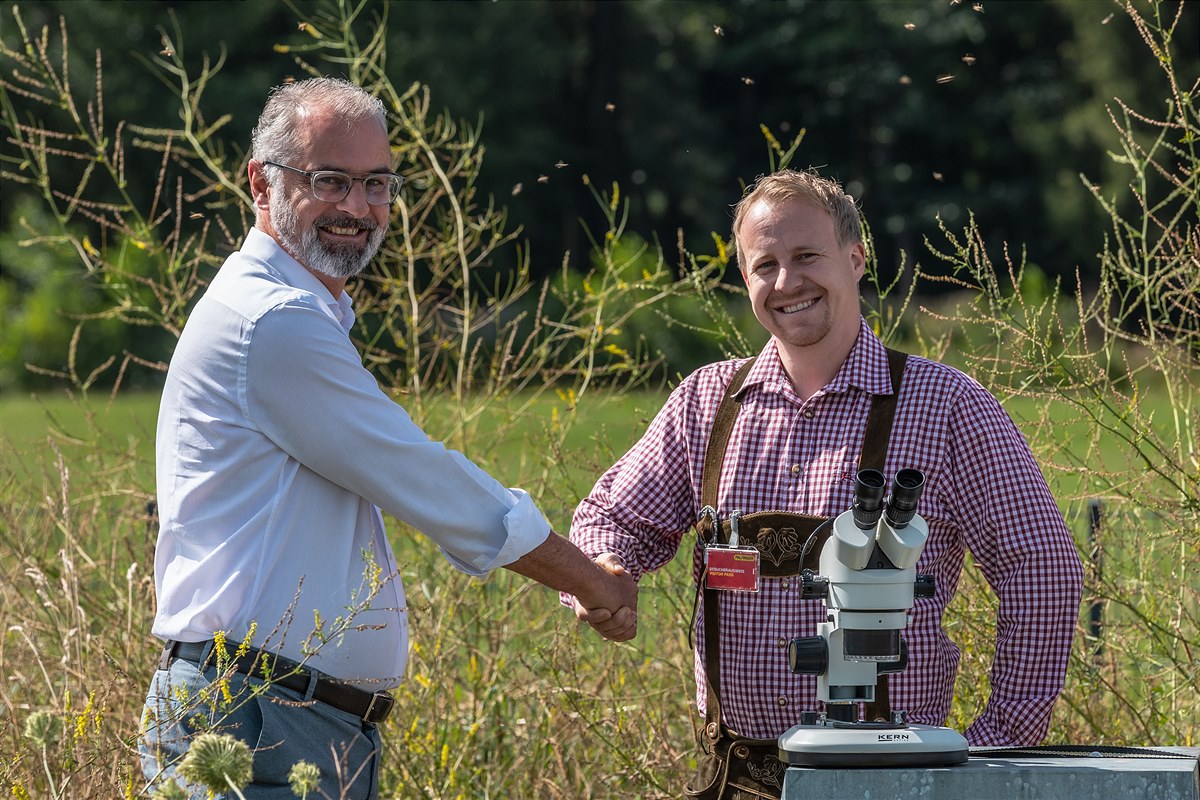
[{"x": 808, "y": 186}]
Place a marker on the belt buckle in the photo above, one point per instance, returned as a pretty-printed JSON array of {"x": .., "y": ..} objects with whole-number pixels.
[{"x": 386, "y": 702}]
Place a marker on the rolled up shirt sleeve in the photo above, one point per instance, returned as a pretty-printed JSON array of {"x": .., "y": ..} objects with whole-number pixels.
[
  {"x": 643, "y": 505},
  {"x": 306, "y": 389}
]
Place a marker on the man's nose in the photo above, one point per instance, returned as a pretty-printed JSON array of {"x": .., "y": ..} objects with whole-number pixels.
[
  {"x": 355, "y": 201},
  {"x": 788, "y": 277}
]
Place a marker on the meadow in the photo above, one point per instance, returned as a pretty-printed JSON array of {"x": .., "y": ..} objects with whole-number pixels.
[{"x": 506, "y": 696}]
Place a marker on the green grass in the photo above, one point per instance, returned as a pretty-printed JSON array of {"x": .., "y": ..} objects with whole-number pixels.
[
  {"x": 35, "y": 427},
  {"x": 507, "y": 437}
]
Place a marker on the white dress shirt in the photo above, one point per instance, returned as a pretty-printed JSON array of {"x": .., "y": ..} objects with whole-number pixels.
[{"x": 276, "y": 451}]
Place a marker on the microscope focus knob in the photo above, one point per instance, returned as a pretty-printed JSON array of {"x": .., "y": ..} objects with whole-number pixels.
[
  {"x": 813, "y": 586},
  {"x": 924, "y": 586},
  {"x": 808, "y": 655}
]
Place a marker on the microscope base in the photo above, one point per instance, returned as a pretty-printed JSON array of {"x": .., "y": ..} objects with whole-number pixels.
[{"x": 862, "y": 745}]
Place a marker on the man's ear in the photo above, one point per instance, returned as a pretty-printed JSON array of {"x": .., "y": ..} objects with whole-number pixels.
[
  {"x": 858, "y": 259},
  {"x": 258, "y": 185}
]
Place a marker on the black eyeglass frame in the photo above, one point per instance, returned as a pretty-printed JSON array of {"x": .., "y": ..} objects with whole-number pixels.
[{"x": 312, "y": 176}]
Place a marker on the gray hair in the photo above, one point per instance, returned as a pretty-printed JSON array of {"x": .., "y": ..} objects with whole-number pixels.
[
  {"x": 274, "y": 137},
  {"x": 806, "y": 185}
]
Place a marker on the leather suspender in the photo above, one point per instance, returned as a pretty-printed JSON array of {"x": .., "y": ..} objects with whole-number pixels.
[{"x": 874, "y": 453}]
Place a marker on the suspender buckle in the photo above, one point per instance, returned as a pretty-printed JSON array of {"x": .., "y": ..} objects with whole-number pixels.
[
  {"x": 714, "y": 525},
  {"x": 734, "y": 516}
]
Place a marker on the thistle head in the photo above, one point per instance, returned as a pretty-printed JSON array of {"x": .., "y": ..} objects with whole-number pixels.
[
  {"x": 304, "y": 778},
  {"x": 218, "y": 761},
  {"x": 171, "y": 790}
]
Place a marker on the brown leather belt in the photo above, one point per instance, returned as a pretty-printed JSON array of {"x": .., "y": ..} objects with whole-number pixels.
[{"x": 371, "y": 707}]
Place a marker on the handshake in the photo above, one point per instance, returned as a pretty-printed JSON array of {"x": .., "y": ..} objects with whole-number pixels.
[{"x": 610, "y": 605}]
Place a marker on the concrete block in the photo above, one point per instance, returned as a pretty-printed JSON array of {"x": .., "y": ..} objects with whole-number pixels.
[{"x": 986, "y": 777}]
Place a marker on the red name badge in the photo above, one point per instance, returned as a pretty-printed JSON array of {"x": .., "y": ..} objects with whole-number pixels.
[{"x": 732, "y": 568}]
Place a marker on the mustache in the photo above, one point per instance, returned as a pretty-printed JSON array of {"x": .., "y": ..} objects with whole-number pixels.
[{"x": 345, "y": 221}]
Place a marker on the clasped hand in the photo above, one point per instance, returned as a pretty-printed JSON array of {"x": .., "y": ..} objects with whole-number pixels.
[{"x": 613, "y": 612}]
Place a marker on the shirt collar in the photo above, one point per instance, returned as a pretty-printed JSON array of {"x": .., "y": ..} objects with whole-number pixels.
[
  {"x": 866, "y": 368},
  {"x": 262, "y": 246}
]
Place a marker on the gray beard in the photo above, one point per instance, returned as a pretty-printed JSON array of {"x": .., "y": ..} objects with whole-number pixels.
[{"x": 336, "y": 261}]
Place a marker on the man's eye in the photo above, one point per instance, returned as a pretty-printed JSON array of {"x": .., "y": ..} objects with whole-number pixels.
[
  {"x": 375, "y": 183},
  {"x": 331, "y": 181},
  {"x": 764, "y": 266}
]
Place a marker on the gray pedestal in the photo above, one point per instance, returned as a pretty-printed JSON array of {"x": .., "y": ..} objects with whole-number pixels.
[{"x": 991, "y": 778}]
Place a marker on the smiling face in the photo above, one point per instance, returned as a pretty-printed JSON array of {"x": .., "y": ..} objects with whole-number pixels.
[
  {"x": 334, "y": 240},
  {"x": 803, "y": 284}
]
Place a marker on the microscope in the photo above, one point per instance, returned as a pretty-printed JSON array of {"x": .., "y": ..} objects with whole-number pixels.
[{"x": 868, "y": 581}]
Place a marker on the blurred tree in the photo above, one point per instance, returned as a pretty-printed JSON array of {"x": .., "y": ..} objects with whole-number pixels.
[
  {"x": 923, "y": 108},
  {"x": 42, "y": 300}
]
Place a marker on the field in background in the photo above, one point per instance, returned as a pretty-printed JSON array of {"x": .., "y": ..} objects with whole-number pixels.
[{"x": 594, "y": 438}]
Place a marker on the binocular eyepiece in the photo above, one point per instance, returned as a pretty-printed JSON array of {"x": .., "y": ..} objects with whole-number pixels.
[
  {"x": 901, "y": 505},
  {"x": 868, "y": 498},
  {"x": 906, "y": 491}
]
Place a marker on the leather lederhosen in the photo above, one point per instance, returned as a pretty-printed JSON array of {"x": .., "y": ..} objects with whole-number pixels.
[{"x": 788, "y": 544}]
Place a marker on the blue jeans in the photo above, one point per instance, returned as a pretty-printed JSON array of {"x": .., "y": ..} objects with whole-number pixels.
[{"x": 280, "y": 726}]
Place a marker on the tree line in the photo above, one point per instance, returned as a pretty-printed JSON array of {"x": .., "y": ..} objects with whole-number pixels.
[{"x": 927, "y": 110}]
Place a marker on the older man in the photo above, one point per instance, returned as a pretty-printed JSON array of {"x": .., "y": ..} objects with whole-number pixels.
[
  {"x": 278, "y": 595},
  {"x": 787, "y": 432}
]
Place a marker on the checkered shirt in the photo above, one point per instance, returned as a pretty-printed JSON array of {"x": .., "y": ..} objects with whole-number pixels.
[{"x": 983, "y": 491}]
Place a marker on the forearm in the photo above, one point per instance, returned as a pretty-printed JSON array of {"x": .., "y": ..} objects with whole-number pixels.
[{"x": 559, "y": 564}]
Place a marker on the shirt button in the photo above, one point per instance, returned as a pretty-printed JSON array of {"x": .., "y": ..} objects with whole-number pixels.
[
  {"x": 782, "y": 642},
  {"x": 783, "y": 584},
  {"x": 795, "y": 469},
  {"x": 808, "y": 413},
  {"x": 782, "y": 701}
]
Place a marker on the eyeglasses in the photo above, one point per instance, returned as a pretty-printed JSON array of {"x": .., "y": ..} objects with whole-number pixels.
[{"x": 330, "y": 186}]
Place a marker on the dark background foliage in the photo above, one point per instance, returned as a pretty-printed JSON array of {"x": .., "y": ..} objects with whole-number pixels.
[{"x": 923, "y": 108}]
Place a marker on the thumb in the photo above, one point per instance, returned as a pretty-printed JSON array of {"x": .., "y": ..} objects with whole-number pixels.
[{"x": 613, "y": 563}]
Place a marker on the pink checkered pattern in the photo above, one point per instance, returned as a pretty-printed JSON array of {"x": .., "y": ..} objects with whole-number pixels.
[{"x": 983, "y": 491}]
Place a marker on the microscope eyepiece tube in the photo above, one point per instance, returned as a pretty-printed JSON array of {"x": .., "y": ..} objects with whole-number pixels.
[
  {"x": 868, "y": 498},
  {"x": 906, "y": 491}
]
